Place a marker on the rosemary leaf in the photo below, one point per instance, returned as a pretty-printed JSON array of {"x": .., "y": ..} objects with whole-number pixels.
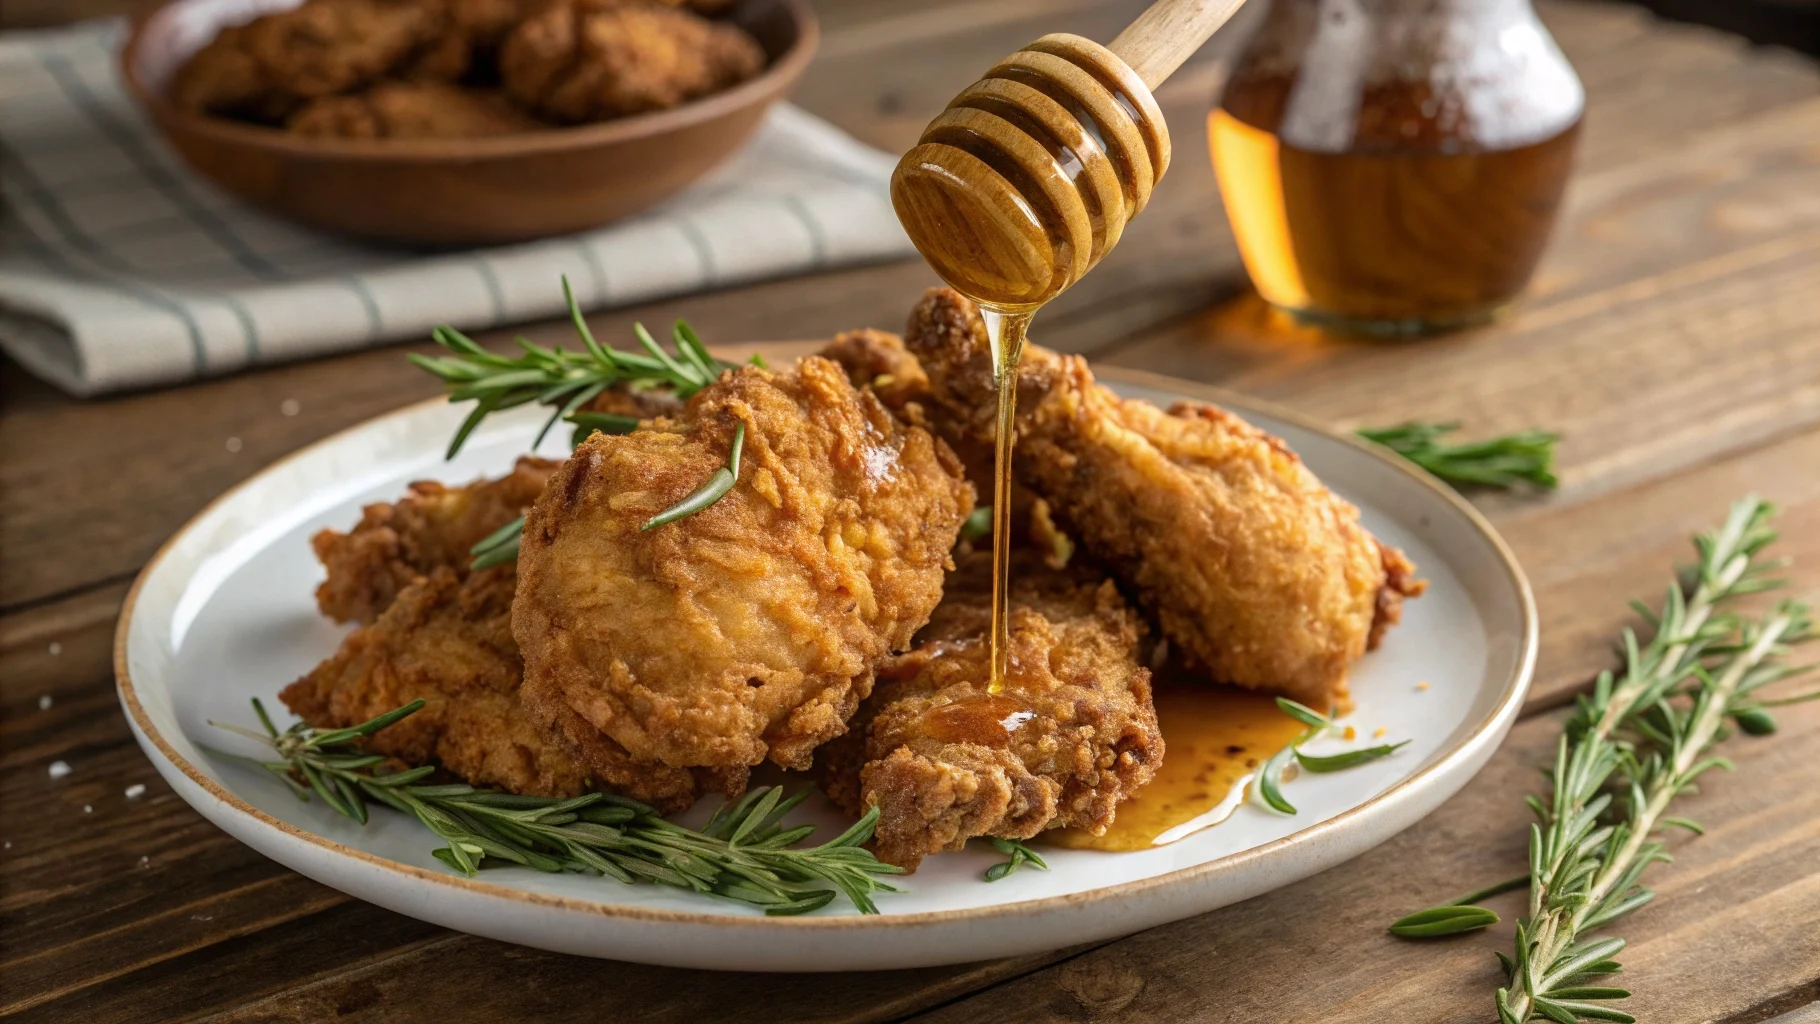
[
  {"x": 1346, "y": 759},
  {"x": 1018, "y": 855},
  {"x": 1267, "y": 780},
  {"x": 1516, "y": 460},
  {"x": 707, "y": 494},
  {"x": 1438, "y": 921}
]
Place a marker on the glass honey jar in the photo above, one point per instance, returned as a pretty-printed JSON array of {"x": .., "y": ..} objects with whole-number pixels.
[{"x": 1395, "y": 166}]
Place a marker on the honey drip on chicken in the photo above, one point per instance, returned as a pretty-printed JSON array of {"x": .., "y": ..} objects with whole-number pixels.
[
  {"x": 1007, "y": 331},
  {"x": 1217, "y": 738}
]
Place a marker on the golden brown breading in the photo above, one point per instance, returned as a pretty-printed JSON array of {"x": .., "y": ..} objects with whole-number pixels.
[
  {"x": 411, "y": 110},
  {"x": 749, "y": 629},
  {"x": 1073, "y": 732},
  {"x": 878, "y": 360},
  {"x": 472, "y": 33},
  {"x": 449, "y": 641},
  {"x": 432, "y": 527},
  {"x": 589, "y": 60},
  {"x": 268, "y": 67},
  {"x": 1253, "y": 567}
]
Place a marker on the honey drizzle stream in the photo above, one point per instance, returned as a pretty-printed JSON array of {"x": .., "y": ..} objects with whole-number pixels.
[{"x": 1006, "y": 331}]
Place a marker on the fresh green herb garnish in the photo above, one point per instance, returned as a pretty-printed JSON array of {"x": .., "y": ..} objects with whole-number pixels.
[
  {"x": 1515, "y": 460},
  {"x": 1644, "y": 737},
  {"x": 707, "y": 494},
  {"x": 978, "y": 523},
  {"x": 1456, "y": 916},
  {"x": 564, "y": 380},
  {"x": 498, "y": 547},
  {"x": 1271, "y": 776},
  {"x": 744, "y": 852},
  {"x": 1019, "y": 855}
]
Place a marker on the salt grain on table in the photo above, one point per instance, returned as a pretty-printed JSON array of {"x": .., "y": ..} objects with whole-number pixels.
[
  {"x": 233, "y": 444},
  {"x": 88, "y": 809},
  {"x": 59, "y": 769},
  {"x": 289, "y": 407},
  {"x": 44, "y": 702},
  {"x": 135, "y": 791},
  {"x": 56, "y": 648}
]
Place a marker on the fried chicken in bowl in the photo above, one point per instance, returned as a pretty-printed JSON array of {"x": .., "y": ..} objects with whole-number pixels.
[{"x": 404, "y": 132}]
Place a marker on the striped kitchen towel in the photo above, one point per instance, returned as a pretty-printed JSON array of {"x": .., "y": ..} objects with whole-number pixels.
[{"x": 120, "y": 269}]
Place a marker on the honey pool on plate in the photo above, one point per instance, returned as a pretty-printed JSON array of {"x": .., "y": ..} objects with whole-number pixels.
[{"x": 1215, "y": 739}]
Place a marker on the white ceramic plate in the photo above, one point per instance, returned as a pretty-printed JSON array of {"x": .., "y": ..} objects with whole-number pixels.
[{"x": 224, "y": 612}]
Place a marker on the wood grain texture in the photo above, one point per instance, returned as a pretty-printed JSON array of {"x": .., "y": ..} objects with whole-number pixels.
[{"x": 1669, "y": 335}]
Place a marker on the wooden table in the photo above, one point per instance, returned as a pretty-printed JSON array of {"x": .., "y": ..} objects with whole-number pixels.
[{"x": 1673, "y": 336}]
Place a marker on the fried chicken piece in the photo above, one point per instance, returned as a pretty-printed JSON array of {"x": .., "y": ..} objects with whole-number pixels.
[
  {"x": 588, "y": 60},
  {"x": 435, "y": 525},
  {"x": 1259, "y": 572},
  {"x": 267, "y": 68},
  {"x": 411, "y": 110},
  {"x": 467, "y": 40},
  {"x": 749, "y": 629},
  {"x": 878, "y": 360},
  {"x": 431, "y": 527},
  {"x": 1072, "y": 733},
  {"x": 449, "y": 641}
]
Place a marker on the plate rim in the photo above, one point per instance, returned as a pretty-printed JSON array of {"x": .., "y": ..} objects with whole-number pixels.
[{"x": 1515, "y": 689}]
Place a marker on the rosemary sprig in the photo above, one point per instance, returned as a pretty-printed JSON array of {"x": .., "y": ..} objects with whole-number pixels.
[
  {"x": 744, "y": 852},
  {"x": 1638, "y": 740},
  {"x": 564, "y": 380},
  {"x": 1516, "y": 460},
  {"x": 1018, "y": 855},
  {"x": 1270, "y": 776},
  {"x": 1585, "y": 873}
]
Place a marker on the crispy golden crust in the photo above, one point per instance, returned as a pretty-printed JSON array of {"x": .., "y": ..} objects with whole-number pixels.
[
  {"x": 878, "y": 360},
  {"x": 1073, "y": 732},
  {"x": 576, "y": 61},
  {"x": 1248, "y": 563},
  {"x": 449, "y": 642},
  {"x": 265, "y": 69},
  {"x": 432, "y": 527},
  {"x": 751, "y": 628},
  {"x": 411, "y": 110}
]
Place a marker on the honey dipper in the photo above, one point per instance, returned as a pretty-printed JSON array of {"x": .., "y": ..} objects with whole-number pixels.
[{"x": 1029, "y": 176}]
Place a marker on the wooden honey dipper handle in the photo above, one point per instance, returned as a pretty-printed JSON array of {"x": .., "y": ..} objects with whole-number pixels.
[{"x": 1168, "y": 33}]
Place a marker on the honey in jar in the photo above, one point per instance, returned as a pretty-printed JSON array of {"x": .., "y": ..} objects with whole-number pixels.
[{"x": 1395, "y": 166}]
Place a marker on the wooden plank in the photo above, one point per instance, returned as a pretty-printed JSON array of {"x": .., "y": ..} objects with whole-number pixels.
[{"x": 462, "y": 978}]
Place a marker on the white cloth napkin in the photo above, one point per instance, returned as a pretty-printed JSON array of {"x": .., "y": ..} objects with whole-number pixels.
[{"x": 121, "y": 269}]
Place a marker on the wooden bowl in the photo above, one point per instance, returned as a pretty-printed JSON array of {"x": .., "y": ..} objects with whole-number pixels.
[{"x": 459, "y": 192}]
